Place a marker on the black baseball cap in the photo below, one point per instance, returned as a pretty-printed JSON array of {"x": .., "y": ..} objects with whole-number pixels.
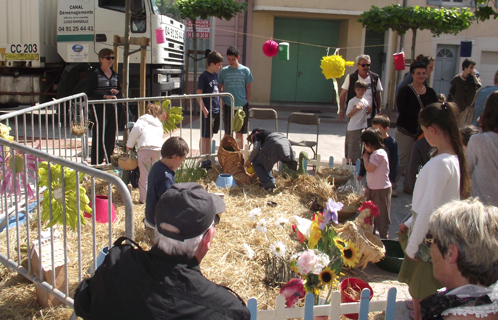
[{"x": 186, "y": 210}]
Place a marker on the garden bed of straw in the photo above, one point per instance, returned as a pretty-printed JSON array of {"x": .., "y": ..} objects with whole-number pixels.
[{"x": 227, "y": 262}]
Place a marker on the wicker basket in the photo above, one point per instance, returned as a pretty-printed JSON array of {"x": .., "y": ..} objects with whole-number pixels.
[
  {"x": 347, "y": 213},
  {"x": 370, "y": 247},
  {"x": 337, "y": 180},
  {"x": 79, "y": 129},
  {"x": 232, "y": 161},
  {"x": 127, "y": 162}
]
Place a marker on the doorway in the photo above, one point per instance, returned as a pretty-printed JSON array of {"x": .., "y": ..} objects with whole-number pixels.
[
  {"x": 445, "y": 67},
  {"x": 300, "y": 79}
]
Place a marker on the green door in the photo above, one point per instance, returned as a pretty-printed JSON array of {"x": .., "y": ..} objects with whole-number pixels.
[{"x": 300, "y": 79}]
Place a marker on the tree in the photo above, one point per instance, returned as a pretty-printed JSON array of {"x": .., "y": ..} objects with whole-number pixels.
[
  {"x": 484, "y": 11},
  {"x": 193, "y": 9},
  {"x": 402, "y": 19}
]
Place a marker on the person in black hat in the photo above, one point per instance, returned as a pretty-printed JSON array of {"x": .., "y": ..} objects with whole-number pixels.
[{"x": 165, "y": 282}]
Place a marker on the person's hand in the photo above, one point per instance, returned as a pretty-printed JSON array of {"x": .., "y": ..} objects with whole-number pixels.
[
  {"x": 365, "y": 156},
  {"x": 205, "y": 111},
  {"x": 379, "y": 111},
  {"x": 413, "y": 259},
  {"x": 402, "y": 228},
  {"x": 114, "y": 91},
  {"x": 369, "y": 110},
  {"x": 358, "y": 177},
  {"x": 360, "y": 105},
  {"x": 341, "y": 115},
  {"x": 248, "y": 163},
  {"x": 128, "y": 148},
  {"x": 109, "y": 97}
]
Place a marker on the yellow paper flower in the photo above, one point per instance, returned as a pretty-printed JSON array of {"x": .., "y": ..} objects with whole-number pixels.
[
  {"x": 339, "y": 243},
  {"x": 334, "y": 66},
  {"x": 328, "y": 276},
  {"x": 350, "y": 255},
  {"x": 316, "y": 234}
]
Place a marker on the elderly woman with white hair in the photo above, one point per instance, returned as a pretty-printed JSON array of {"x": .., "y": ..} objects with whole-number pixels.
[{"x": 464, "y": 250}]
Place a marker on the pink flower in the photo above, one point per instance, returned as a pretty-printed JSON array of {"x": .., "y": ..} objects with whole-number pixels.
[
  {"x": 306, "y": 262},
  {"x": 17, "y": 160},
  {"x": 374, "y": 209},
  {"x": 293, "y": 291}
]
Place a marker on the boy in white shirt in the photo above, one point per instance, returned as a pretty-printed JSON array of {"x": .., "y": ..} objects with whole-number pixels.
[{"x": 357, "y": 111}]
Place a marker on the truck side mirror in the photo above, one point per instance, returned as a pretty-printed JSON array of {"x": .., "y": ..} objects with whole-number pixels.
[{"x": 137, "y": 6}]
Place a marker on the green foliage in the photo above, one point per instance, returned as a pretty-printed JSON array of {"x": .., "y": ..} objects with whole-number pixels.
[
  {"x": 401, "y": 19},
  {"x": 222, "y": 9},
  {"x": 484, "y": 11},
  {"x": 188, "y": 172}
]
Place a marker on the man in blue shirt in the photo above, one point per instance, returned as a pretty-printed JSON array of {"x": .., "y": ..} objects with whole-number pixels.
[{"x": 235, "y": 79}]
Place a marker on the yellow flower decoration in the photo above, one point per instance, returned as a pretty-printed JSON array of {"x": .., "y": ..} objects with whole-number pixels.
[
  {"x": 334, "y": 66},
  {"x": 339, "y": 243},
  {"x": 328, "y": 276},
  {"x": 350, "y": 255},
  {"x": 315, "y": 234}
]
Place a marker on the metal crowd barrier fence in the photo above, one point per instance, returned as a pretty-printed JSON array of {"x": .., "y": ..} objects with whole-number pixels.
[
  {"x": 39, "y": 184},
  {"x": 190, "y": 131}
]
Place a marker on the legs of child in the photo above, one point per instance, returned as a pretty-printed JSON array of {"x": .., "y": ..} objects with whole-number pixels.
[
  {"x": 382, "y": 198},
  {"x": 146, "y": 158}
]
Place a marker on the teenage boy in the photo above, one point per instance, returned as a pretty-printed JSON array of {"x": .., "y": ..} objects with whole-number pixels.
[
  {"x": 382, "y": 122},
  {"x": 235, "y": 79},
  {"x": 162, "y": 177},
  {"x": 208, "y": 83},
  {"x": 357, "y": 111}
]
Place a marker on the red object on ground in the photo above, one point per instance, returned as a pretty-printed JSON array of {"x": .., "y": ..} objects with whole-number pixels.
[
  {"x": 100, "y": 210},
  {"x": 270, "y": 48},
  {"x": 357, "y": 285}
]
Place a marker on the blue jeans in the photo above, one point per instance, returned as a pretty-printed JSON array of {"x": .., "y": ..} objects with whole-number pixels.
[{"x": 266, "y": 178}]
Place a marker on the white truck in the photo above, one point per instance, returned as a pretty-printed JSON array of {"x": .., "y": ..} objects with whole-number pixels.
[{"x": 47, "y": 46}]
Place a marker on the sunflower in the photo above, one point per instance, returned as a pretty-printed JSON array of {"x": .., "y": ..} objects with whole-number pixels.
[
  {"x": 350, "y": 255},
  {"x": 328, "y": 276},
  {"x": 339, "y": 243}
]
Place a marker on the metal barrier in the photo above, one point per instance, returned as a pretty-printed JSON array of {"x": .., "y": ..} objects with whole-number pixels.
[
  {"x": 25, "y": 194},
  {"x": 186, "y": 102},
  {"x": 49, "y": 127}
]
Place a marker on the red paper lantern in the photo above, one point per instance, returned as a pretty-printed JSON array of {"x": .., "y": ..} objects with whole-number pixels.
[{"x": 270, "y": 48}]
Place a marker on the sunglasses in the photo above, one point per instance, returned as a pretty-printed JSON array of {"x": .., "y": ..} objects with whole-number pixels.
[
  {"x": 429, "y": 240},
  {"x": 109, "y": 58},
  {"x": 365, "y": 65}
]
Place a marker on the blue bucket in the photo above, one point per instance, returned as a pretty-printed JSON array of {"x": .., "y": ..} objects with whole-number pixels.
[{"x": 225, "y": 180}]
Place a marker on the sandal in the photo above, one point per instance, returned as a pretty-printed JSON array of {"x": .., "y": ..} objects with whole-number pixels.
[{"x": 409, "y": 304}]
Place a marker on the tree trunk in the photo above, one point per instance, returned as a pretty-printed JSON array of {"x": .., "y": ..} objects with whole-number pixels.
[{"x": 414, "y": 39}]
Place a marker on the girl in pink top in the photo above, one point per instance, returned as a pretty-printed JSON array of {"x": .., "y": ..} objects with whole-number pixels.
[{"x": 378, "y": 187}]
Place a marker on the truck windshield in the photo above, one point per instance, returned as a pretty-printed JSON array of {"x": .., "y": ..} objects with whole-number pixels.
[{"x": 166, "y": 8}]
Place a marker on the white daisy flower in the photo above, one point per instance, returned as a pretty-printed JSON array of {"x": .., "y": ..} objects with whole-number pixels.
[
  {"x": 261, "y": 226},
  {"x": 254, "y": 213},
  {"x": 281, "y": 223},
  {"x": 277, "y": 248},
  {"x": 248, "y": 251}
]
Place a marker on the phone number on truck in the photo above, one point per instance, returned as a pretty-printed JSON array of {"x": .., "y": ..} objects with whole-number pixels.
[{"x": 75, "y": 28}]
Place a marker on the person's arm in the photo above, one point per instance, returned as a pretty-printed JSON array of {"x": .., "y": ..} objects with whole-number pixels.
[
  {"x": 379, "y": 102},
  {"x": 205, "y": 111},
  {"x": 362, "y": 172},
  {"x": 134, "y": 134},
  {"x": 163, "y": 185},
  {"x": 354, "y": 109},
  {"x": 248, "y": 92},
  {"x": 370, "y": 167},
  {"x": 471, "y": 153},
  {"x": 407, "y": 79},
  {"x": 342, "y": 100},
  {"x": 255, "y": 151},
  {"x": 437, "y": 181}
]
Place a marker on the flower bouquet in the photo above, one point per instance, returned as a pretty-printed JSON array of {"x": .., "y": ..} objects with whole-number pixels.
[{"x": 324, "y": 254}]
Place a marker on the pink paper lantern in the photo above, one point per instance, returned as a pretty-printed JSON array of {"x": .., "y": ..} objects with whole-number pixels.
[{"x": 270, "y": 48}]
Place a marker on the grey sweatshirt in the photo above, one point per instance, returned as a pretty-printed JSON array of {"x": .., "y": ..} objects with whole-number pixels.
[{"x": 482, "y": 158}]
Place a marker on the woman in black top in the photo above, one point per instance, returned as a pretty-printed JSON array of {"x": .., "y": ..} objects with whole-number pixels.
[
  {"x": 103, "y": 84},
  {"x": 410, "y": 100}
]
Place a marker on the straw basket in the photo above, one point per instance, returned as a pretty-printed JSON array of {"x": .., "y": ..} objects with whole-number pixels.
[
  {"x": 127, "y": 162},
  {"x": 332, "y": 176},
  {"x": 370, "y": 247},
  {"x": 79, "y": 128},
  {"x": 347, "y": 213},
  {"x": 232, "y": 161}
]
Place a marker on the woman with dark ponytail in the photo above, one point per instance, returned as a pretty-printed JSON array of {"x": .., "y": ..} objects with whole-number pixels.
[{"x": 443, "y": 179}]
